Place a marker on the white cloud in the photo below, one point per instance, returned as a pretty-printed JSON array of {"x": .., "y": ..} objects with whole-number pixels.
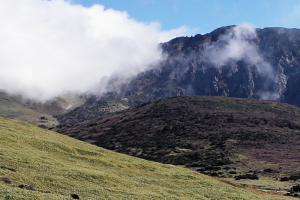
[
  {"x": 50, "y": 47},
  {"x": 237, "y": 44}
]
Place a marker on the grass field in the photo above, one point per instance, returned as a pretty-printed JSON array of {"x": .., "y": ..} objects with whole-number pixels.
[{"x": 56, "y": 166}]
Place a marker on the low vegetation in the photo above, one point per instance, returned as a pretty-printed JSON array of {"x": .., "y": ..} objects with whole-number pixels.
[
  {"x": 218, "y": 136},
  {"x": 40, "y": 164}
]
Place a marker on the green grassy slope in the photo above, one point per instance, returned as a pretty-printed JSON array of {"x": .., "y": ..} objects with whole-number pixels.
[{"x": 58, "y": 166}]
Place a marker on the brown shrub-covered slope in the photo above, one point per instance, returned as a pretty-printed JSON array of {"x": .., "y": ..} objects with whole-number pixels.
[{"x": 204, "y": 133}]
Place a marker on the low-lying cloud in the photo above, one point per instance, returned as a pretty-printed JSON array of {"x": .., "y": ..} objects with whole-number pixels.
[
  {"x": 51, "y": 47},
  {"x": 238, "y": 45}
]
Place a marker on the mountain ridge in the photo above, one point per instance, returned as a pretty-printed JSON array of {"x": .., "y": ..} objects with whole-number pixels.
[{"x": 265, "y": 65}]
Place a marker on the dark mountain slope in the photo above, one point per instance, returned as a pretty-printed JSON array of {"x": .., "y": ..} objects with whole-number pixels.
[
  {"x": 202, "y": 132},
  {"x": 234, "y": 61}
]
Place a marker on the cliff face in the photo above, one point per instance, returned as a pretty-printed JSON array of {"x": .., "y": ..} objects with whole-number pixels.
[
  {"x": 234, "y": 61},
  {"x": 265, "y": 65}
]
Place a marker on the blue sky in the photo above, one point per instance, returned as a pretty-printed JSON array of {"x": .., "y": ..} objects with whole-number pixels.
[{"x": 203, "y": 16}]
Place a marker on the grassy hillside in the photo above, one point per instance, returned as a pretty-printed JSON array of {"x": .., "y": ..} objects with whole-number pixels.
[
  {"x": 220, "y": 136},
  {"x": 15, "y": 107},
  {"x": 40, "y": 164}
]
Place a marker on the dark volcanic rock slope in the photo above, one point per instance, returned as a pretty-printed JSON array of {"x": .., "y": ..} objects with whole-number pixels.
[
  {"x": 235, "y": 61},
  {"x": 202, "y": 132}
]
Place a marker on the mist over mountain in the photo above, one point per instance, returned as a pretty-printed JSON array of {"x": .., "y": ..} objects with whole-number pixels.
[
  {"x": 49, "y": 48},
  {"x": 235, "y": 61}
]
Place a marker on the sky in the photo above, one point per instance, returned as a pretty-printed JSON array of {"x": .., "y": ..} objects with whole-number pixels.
[
  {"x": 203, "y": 16},
  {"x": 51, "y": 47}
]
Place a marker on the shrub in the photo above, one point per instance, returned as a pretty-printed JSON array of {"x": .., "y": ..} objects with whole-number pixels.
[
  {"x": 247, "y": 176},
  {"x": 269, "y": 170},
  {"x": 213, "y": 168},
  {"x": 214, "y": 174},
  {"x": 195, "y": 164},
  {"x": 296, "y": 188},
  {"x": 284, "y": 179},
  {"x": 294, "y": 177}
]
